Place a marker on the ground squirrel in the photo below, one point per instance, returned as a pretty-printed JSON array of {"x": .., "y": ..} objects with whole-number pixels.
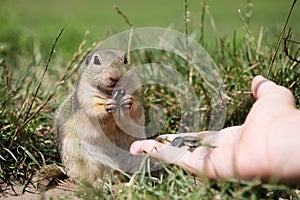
[{"x": 97, "y": 124}]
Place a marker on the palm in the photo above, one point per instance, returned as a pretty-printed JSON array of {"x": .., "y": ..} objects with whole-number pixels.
[{"x": 259, "y": 147}]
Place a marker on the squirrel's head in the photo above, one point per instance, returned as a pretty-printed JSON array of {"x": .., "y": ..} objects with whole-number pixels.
[{"x": 104, "y": 68}]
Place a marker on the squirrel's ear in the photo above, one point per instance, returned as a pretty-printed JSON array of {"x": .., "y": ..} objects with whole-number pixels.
[{"x": 88, "y": 58}]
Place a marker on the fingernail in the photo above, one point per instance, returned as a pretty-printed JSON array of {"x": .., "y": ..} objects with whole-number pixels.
[
  {"x": 135, "y": 147},
  {"x": 257, "y": 82}
]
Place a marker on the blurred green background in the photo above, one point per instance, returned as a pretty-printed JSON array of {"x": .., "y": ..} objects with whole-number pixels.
[
  {"x": 28, "y": 29},
  {"x": 41, "y": 20}
]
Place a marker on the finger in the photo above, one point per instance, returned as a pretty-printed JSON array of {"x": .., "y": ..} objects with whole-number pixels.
[
  {"x": 163, "y": 152},
  {"x": 145, "y": 146},
  {"x": 195, "y": 162},
  {"x": 257, "y": 82},
  {"x": 262, "y": 87}
]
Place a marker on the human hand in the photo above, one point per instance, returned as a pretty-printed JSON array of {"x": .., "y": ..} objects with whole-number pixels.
[{"x": 266, "y": 145}]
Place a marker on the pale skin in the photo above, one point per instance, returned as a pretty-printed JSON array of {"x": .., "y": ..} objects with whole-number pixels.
[{"x": 266, "y": 145}]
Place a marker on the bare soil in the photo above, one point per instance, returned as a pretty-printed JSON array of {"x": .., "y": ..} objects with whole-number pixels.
[{"x": 63, "y": 189}]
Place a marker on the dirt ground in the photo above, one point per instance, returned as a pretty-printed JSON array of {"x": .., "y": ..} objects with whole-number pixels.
[{"x": 64, "y": 189}]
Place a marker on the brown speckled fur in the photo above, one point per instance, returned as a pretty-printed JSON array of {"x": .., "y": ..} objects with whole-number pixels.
[{"x": 86, "y": 128}]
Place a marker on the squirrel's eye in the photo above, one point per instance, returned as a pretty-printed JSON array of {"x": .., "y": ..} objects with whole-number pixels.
[
  {"x": 125, "y": 60},
  {"x": 97, "y": 60}
]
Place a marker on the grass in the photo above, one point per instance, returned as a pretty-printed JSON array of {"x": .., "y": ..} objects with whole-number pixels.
[
  {"x": 27, "y": 145},
  {"x": 22, "y": 22}
]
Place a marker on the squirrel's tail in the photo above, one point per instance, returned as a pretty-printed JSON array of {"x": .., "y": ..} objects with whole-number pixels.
[{"x": 46, "y": 174}]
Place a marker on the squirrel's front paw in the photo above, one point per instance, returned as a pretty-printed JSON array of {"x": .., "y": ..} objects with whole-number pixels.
[
  {"x": 126, "y": 101},
  {"x": 110, "y": 105}
]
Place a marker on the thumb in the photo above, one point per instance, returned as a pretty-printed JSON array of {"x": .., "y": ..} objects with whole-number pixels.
[{"x": 264, "y": 88}]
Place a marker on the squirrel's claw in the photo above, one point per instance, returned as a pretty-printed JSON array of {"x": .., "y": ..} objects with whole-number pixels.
[
  {"x": 110, "y": 106},
  {"x": 126, "y": 102}
]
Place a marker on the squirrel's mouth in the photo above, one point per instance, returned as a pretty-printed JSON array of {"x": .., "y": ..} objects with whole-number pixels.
[
  {"x": 111, "y": 82},
  {"x": 108, "y": 86},
  {"x": 105, "y": 90}
]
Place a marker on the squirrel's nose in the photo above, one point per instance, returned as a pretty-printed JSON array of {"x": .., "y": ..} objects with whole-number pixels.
[
  {"x": 114, "y": 79},
  {"x": 115, "y": 75},
  {"x": 111, "y": 82}
]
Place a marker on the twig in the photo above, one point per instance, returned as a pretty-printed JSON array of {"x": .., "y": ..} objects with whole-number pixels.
[
  {"x": 129, "y": 44},
  {"x": 249, "y": 38},
  {"x": 27, "y": 119},
  {"x": 186, "y": 21},
  {"x": 66, "y": 74},
  {"x": 293, "y": 41},
  {"x": 124, "y": 16},
  {"x": 186, "y": 26},
  {"x": 248, "y": 12},
  {"x": 127, "y": 21},
  {"x": 76, "y": 55},
  {"x": 204, "y": 5},
  {"x": 43, "y": 75},
  {"x": 280, "y": 38},
  {"x": 286, "y": 49}
]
